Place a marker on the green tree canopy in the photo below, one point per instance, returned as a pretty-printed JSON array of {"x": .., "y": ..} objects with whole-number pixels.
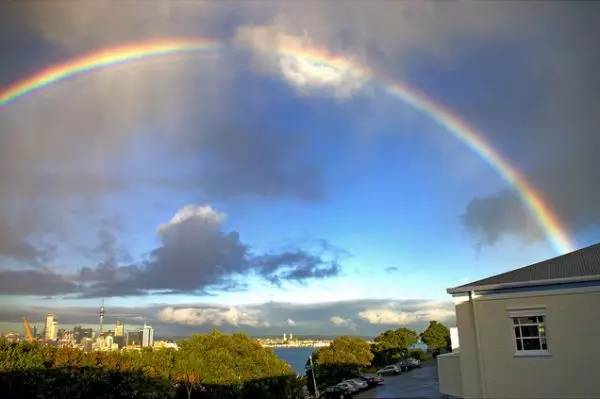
[
  {"x": 351, "y": 351},
  {"x": 392, "y": 345},
  {"x": 400, "y": 338},
  {"x": 436, "y": 336}
]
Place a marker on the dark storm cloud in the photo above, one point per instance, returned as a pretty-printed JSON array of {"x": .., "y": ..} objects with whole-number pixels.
[
  {"x": 490, "y": 217},
  {"x": 197, "y": 256},
  {"x": 35, "y": 282},
  {"x": 14, "y": 245},
  {"x": 554, "y": 143},
  {"x": 258, "y": 160}
]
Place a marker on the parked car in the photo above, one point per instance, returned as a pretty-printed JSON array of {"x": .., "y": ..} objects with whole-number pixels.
[
  {"x": 414, "y": 362},
  {"x": 348, "y": 387},
  {"x": 371, "y": 380},
  {"x": 335, "y": 392},
  {"x": 391, "y": 369},
  {"x": 358, "y": 382},
  {"x": 404, "y": 365}
]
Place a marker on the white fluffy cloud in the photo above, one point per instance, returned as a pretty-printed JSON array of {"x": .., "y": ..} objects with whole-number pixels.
[
  {"x": 215, "y": 316},
  {"x": 342, "y": 322},
  {"x": 202, "y": 212},
  {"x": 291, "y": 322},
  {"x": 307, "y": 67},
  {"x": 395, "y": 316}
]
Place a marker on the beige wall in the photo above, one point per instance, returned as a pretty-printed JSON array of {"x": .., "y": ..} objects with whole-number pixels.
[
  {"x": 573, "y": 333},
  {"x": 449, "y": 374}
]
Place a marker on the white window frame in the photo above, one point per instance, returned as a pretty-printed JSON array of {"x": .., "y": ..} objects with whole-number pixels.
[{"x": 529, "y": 313}]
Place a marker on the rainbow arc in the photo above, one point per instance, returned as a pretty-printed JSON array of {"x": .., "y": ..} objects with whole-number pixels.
[{"x": 538, "y": 207}]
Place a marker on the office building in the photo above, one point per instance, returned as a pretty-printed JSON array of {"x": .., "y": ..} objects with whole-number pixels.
[
  {"x": 134, "y": 338},
  {"x": 147, "y": 336},
  {"x": 119, "y": 329},
  {"x": 51, "y": 328}
]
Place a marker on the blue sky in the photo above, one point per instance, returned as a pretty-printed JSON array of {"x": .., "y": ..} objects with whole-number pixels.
[{"x": 209, "y": 190}]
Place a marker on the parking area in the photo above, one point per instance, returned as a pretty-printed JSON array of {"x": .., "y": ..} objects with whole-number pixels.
[{"x": 418, "y": 383}]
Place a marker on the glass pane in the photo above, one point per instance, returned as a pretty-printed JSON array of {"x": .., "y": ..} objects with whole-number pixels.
[
  {"x": 544, "y": 346},
  {"x": 517, "y": 332},
  {"x": 531, "y": 344},
  {"x": 542, "y": 330},
  {"x": 529, "y": 331},
  {"x": 527, "y": 320},
  {"x": 519, "y": 346},
  {"x": 515, "y": 321},
  {"x": 540, "y": 319}
]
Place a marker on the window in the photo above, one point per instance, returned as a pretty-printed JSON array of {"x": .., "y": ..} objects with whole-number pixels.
[{"x": 529, "y": 331}]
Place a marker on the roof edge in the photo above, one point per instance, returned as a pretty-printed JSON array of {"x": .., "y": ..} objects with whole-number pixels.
[{"x": 522, "y": 284}]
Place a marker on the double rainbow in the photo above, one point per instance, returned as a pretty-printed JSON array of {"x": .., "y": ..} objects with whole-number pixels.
[{"x": 546, "y": 218}]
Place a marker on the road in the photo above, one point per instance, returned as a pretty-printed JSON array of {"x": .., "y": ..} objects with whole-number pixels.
[{"x": 418, "y": 383}]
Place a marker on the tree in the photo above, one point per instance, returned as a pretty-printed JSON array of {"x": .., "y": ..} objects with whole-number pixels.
[
  {"x": 392, "y": 345},
  {"x": 187, "y": 370},
  {"x": 436, "y": 336},
  {"x": 342, "y": 359}
]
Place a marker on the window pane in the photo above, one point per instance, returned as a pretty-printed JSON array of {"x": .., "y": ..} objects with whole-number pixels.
[
  {"x": 517, "y": 332},
  {"x": 542, "y": 330},
  {"x": 531, "y": 344},
  {"x": 544, "y": 346},
  {"x": 519, "y": 346},
  {"x": 529, "y": 331},
  {"x": 540, "y": 319},
  {"x": 527, "y": 320}
]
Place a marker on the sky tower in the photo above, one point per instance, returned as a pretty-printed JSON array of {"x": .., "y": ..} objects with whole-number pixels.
[{"x": 101, "y": 316}]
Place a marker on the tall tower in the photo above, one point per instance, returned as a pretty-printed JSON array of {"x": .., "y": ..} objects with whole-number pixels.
[
  {"x": 147, "y": 336},
  {"x": 101, "y": 316},
  {"x": 119, "y": 329},
  {"x": 48, "y": 329}
]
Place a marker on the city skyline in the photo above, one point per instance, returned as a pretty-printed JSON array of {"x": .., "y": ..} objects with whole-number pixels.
[{"x": 307, "y": 168}]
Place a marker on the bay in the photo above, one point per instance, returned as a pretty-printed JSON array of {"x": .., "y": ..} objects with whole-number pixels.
[{"x": 296, "y": 357}]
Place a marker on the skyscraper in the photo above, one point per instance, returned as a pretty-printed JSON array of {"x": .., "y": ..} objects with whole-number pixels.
[
  {"x": 119, "y": 329},
  {"x": 134, "y": 338},
  {"x": 50, "y": 329},
  {"x": 147, "y": 336}
]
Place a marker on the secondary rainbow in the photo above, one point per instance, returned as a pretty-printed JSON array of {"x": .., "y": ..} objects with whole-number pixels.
[
  {"x": 104, "y": 58},
  {"x": 318, "y": 57}
]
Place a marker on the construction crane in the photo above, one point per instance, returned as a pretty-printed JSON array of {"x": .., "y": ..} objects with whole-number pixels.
[{"x": 27, "y": 328}]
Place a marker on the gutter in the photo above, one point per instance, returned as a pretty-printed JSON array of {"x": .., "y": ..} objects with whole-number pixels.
[{"x": 522, "y": 284}]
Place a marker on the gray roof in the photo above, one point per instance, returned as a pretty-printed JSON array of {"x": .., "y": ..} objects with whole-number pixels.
[{"x": 578, "y": 266}]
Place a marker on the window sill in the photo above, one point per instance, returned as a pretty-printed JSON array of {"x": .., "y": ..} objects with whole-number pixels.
[{"x": 533, "y": 354}]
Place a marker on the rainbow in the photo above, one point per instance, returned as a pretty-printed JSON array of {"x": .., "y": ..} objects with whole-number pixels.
[
  {"x": 547, "y": 219},
  {"x": 318, "y": 58},
  {"x": 103, "y": 58}
]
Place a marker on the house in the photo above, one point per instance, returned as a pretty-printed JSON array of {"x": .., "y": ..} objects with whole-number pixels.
[{"x": 533, "y": 332}]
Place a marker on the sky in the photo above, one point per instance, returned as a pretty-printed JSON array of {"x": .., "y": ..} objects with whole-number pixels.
[{"x": 273, "y": 182}]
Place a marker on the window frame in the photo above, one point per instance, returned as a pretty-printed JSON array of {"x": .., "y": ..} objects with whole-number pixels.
[{"x": 537, "y": 312}]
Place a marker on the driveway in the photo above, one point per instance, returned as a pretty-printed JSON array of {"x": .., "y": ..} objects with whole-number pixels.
[{"x": 417, "y": 383}]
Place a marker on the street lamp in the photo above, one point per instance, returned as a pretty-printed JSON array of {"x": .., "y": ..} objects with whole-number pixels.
[{"x": 312, "y": 368}]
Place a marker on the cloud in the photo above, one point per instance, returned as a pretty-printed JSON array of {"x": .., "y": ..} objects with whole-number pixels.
[
  {"x": 341, "y": 322},
  {"x": 308, "y": 68},
  {"x": 489, "y": 218},
  {"x": 396, "y": 316},
  {"x": 270, "y": 318},
  {"x": 196, "y": 255},
  {"x": 215, "y": 316},
  {"x": 298, "y": 265},
  {"x": 35, "y": 282}
]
